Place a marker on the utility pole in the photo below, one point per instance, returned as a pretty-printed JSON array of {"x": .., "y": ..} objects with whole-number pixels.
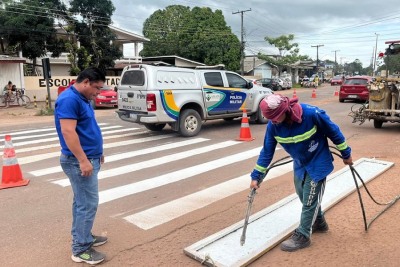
[
  {"x": 317, "y": 46},
  {"x": 335, "y": 60},
  {"x": 376, "y": 47},
  {"x": 241, "y": 42}
]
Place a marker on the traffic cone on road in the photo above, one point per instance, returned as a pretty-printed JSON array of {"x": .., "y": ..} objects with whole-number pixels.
[
  {"x": 245, "y": 134},
  {"x": 294, "y": 93},
  {"x": 336, "y": 92},
  {"x": 314, "y": 94},
  {"x": 11, "y": 173}
]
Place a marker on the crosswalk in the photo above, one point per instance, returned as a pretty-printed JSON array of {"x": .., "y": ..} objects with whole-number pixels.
[{"x": 139, "y": 161}]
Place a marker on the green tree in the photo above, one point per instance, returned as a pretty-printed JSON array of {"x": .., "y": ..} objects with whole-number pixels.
[
  {"x": 27, "y": 26},
  {"x": 198, "y": 34},
  {"x": 288, "y": 51},
  {"x": 90, "y": 23},
  {"x": 391, "y": 63}
]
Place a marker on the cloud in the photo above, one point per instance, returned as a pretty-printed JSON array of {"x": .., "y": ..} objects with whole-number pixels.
[{"x": 347, "y": 26}]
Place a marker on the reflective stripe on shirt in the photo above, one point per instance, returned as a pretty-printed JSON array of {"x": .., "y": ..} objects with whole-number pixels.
[{"x": 297, "y": 138}]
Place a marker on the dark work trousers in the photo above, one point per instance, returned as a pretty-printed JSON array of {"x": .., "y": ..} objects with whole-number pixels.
[{"x": 310, "y": 194}]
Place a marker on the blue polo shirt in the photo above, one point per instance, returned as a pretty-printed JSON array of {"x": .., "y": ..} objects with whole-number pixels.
[{"x": 73, "y": 105}]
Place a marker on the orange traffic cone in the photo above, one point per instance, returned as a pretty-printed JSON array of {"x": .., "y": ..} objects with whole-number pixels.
[
  {"x": 294, "y": 93},
  {"x": 11, "y": 174},
  {"x": 336, "y": 92},
  {"x": 314, "y": 94},
  {"x": 245, "y": 134}
]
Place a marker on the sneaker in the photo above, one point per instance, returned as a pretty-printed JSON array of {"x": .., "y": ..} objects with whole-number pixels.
[
  {"x": 90, "y": 256},
  {"x": 320, "y": 226},
  {"x": 98, "y": 240},
  {"x": 295, "y": 242}
]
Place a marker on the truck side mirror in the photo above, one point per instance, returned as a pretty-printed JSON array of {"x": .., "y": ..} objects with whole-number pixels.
[{"x": 249, "y": 85}]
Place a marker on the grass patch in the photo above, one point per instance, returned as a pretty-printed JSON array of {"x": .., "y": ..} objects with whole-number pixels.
[
  {"x": 45, "y": 111},
  {"x": 296, "y": 85}
]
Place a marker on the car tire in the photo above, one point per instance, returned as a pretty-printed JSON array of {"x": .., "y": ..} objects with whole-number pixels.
[
  {"x": 260, "y": 118},
  {"x": 377, "y": 124},
  {"x": 279, "y": 88},
  {"x": 341, "y": 100},
  {"x": 155, "y": 127},
  {"x": 189, "y": 123}
]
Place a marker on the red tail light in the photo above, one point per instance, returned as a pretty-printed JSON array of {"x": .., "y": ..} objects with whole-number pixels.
[{"x": 151, "y": 102}]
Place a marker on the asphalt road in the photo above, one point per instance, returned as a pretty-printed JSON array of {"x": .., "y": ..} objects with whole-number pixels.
[{"x": 159, "y": 191}]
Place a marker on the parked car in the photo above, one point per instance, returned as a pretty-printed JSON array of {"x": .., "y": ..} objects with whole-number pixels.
[
  {"x": 108, "y": 97},
  {"x": 337, "y": 80},
  {"x": 271, "y": 83},
  {"x": 63, "y": 88},
  {"x": 288, "y": 82},
  {"x": 254, "y": 81},
  {"x": 355, "y": 88}
]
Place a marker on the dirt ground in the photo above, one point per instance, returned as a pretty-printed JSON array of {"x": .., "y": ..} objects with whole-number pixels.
[{"x": 345, "y": 244}]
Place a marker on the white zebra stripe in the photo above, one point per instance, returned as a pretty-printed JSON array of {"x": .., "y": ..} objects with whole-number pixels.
[{"x": 155, "y": 162}]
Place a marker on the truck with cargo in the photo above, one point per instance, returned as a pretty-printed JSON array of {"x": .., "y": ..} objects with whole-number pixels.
[
  {"x": 383, "y": 103},
  {"x": 184, "y": 98}
]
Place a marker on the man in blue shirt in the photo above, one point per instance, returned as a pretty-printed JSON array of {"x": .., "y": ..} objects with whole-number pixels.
[
  {"x": 303, "y": 131},
  {"x": 81, "y": 156}
]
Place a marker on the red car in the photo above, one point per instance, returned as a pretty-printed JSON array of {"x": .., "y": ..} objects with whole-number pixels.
[
  {"x": 337, "y": 80},
  {"x": 355, "y": 88},
  {"x": 107, "y": 97}
]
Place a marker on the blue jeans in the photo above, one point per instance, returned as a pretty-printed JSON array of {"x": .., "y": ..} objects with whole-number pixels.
[
  {"x": 310, "y": 194},
  {"x": 85, "y": 203}
]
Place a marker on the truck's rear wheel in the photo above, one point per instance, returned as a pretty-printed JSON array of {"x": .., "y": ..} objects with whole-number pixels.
[
  {"x": 378, "y": 124},
  {"x": 155, "y": 127},
  {"x": 189, "y": 123}
]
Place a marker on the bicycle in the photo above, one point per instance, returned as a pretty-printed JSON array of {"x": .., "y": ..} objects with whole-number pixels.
[{"x": 19, "y": 97}]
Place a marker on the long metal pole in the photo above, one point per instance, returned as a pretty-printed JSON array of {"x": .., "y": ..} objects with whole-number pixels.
[{"x": 376, "y": 47}]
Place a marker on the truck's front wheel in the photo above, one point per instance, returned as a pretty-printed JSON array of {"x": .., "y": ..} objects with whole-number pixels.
[
  {"x": 378, "y": 124},
  {"x": 155, "y": 127},
  {"x": 189, "y": 123}
]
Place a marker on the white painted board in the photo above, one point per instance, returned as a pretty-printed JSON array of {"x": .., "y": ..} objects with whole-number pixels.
[{"x": 270, "y": 226}]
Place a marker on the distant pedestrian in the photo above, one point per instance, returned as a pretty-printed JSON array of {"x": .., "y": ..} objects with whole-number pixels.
[
  {"x": 81, "y": 156},
  {"x": 316, "y": 81},
  {"x": 303, "y": 131}
]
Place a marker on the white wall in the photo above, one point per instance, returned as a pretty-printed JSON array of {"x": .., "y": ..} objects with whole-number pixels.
[{"x": 10, "y": 72}]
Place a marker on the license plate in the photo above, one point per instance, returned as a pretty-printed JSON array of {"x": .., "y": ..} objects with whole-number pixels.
[
  {"x": 352, "y": 96},
  {"x": 133, "y": 116},
  {"x": 113, "y": 101}
]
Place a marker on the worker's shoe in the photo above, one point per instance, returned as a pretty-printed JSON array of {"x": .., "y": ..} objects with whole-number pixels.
[
  {"x": 320, "y": 226},
  {"x": 295, "y": 242},
  {"x": 89, "y": 256},
  {"x": 98, "y": 240}
]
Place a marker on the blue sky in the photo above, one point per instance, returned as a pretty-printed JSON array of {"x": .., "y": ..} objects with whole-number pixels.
[{"x": 349, "y": 27}]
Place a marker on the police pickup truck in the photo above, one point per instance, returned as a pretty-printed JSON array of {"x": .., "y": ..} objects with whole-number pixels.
[{"x": 183, "y": 98}]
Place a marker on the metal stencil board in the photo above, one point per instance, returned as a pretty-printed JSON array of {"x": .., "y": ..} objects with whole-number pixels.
[{"x": 270, "y": 226}]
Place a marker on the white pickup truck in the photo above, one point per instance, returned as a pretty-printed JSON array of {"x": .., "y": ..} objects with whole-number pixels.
[{"x": 184, "y": 98}]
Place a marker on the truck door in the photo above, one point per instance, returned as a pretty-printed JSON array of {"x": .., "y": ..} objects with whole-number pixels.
[
  {"x": 240, "y": 97},
  {"x": 216, "y": 96}
]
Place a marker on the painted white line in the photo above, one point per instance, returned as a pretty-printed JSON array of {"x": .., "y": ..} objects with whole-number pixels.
[
  {"x": 56, "y": 138},
  {"x": 30, "y": 131},
  {"x": 116, "y": 157},
  {"x": 155, "y": 162},
  {"x": 158, "y": 215},
  {"x": 54, "y": 133},
  {"x": 168, "y": 178},
  {"x": 36, "y": 148}
]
